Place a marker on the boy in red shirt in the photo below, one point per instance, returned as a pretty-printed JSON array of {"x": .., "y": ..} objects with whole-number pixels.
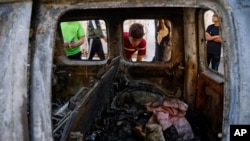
[{"x": 133, "y": 42}]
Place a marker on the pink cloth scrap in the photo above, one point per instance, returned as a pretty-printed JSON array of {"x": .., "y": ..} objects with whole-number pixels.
[{"x": 171, "y": 112}]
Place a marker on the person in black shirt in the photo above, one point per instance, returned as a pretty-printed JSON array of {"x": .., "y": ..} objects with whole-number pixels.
[
  {"x": 213, "y": 39},
  {"x": 95, "y": 35}
]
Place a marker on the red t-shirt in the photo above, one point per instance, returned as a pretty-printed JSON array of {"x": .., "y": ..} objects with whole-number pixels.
[{"x": 129, "y": 50}]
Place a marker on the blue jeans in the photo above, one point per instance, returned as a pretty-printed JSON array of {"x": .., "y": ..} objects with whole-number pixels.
[{"x": 215, "y": 59}]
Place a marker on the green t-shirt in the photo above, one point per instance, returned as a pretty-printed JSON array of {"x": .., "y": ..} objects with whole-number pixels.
[{"x": 72, "y": 31}]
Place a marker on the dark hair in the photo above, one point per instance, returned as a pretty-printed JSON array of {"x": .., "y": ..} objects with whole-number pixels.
[{"x": 136, "y": 30}]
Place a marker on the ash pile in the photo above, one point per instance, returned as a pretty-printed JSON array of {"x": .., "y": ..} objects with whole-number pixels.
[{"x": 140, "y": 113}]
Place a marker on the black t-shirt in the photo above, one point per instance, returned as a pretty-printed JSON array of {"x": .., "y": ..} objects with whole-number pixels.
[{"x": 212, "y": 46}]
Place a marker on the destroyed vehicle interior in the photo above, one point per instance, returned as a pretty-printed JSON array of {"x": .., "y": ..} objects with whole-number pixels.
[
  {"x": 170, "y": 95},
  {"x": 70, "y": 70}
]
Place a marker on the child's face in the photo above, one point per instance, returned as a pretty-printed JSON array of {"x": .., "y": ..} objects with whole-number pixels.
[{"x": 134, "y": 42}]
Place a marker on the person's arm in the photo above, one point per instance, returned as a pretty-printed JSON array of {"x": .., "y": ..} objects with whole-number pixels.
[
  {"x": 209, "y": 37},
  {"x": 80, "y": 35},
  {"x": 218, "y": 39},
  {"x": 77, "y": 43},
  {"x": 66, "y": 44},
  {"x": 141, "y": 50},
  {"x": 139, "y": 58}
]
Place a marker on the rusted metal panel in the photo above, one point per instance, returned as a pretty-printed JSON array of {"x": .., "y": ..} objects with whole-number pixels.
[
  {"x": 92, "y": 102},
  {"x": 191, "y": 53},
  {"x": 92, "y": 1},
  {"x": 14, "y": 1},
  {"x": 235, "y": 15},
  {"x": 245, "y": 2},
  {"x": 209, "y": 102},
  {"x": 44, "y": 26},
  {"x": 237, "y": 67},
  {"x": 14, "y": 65}
]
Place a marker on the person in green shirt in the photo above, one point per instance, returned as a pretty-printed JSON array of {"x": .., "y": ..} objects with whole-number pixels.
[{"x": 73, "y": 36}]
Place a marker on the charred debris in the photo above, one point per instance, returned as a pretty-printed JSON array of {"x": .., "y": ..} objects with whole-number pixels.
[{"x": 133, "y": 111}]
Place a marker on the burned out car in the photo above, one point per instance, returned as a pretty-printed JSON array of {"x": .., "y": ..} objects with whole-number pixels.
[{"x": 171, "y": 94}]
